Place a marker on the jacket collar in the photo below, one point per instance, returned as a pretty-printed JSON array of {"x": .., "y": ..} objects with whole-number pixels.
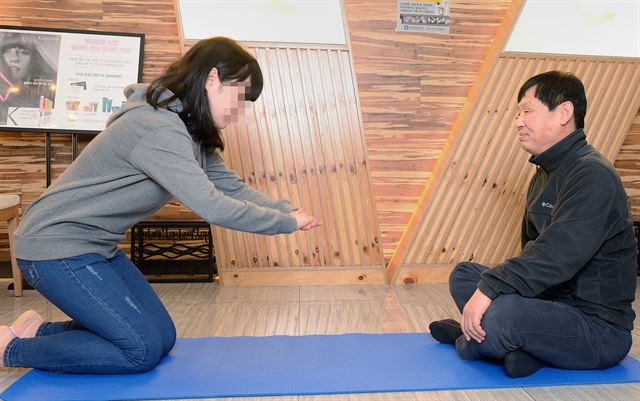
[{"x": 553, "y": 157}]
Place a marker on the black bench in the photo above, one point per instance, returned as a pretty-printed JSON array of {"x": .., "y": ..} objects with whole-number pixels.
[{"x": 173, "y": 251}]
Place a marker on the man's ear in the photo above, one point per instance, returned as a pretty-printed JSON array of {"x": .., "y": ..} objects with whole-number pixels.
[{"x": 566, "y": 112}]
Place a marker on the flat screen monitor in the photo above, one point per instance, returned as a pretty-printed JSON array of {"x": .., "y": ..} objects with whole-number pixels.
[{"x": 64, "y": 81}]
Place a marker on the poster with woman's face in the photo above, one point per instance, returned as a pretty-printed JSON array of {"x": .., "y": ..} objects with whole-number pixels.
[
  {"x": 59, "y": 80},
  {"x": 28, "y": 74}
]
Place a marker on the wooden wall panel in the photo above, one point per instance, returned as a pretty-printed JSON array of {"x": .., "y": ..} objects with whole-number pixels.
[
  {"x": 303, "y": 141},
  {"x": 628, "y": 165},
  {"x": 412, "y": 87},
  {"x": 476, "y": 205}
]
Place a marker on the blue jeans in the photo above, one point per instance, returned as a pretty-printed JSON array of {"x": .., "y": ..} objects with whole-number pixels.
[
  {"x": 119, "y": 324},
  {"x": 555, "y": 333}
]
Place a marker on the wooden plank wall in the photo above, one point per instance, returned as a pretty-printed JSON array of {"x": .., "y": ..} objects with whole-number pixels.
[
  {"x": 628, "y": 165},
  {"x": 304, "y": 142},
  {"x": 475, "y": 208},
  {"x": 412, "y": 87}
]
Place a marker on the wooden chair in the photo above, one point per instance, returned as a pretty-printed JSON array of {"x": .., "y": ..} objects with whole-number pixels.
[{"x": 9, "y": 205}]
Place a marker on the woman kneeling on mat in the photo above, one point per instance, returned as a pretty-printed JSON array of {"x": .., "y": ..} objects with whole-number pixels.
[{"x": 164, "y": 143}]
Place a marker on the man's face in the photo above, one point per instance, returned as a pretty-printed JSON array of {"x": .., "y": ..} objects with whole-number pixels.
[
  {"x": 538, "y": 127},
  {"x": 18, "y": 59}
]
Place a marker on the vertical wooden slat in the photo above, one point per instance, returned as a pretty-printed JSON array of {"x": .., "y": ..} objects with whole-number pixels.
[
  {"x": 344, "y": 252},
  {"x": 299, "y": 188},
  {"x": 359, "y": 177},
  {"x": 629, "y": 102},
  {"x": 327, "y": 187},
  {"x": 243, "y": 255},
  {"x": 313, "y": 165},
  {"x": 628, "y": 165},
  {"x": 342, "y": 155},
  {"x": 302, "y": 153},
  {"x": 277, "y": 250},
  {"x": 273, "y": 156}
]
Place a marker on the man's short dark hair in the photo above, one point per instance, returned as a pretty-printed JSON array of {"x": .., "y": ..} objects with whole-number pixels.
[{"x": 555, "y": 87}]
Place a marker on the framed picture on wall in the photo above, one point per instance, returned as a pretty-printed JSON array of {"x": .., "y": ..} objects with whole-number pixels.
[{"x": 64, "y": 81}]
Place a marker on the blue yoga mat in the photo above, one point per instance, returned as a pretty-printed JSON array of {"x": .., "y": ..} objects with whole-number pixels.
[{"x": 299, "y": 365}]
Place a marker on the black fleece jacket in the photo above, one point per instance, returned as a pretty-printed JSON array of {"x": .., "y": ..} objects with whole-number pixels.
[{"x": 578, "y": 245}]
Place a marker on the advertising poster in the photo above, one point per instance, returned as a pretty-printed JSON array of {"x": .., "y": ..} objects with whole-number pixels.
[
  {"x": 423, "y": 16},
  {"x": 63, "y": 80}
]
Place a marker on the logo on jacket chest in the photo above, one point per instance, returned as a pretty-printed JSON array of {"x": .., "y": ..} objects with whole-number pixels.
[{"x": 547, "y": 205}]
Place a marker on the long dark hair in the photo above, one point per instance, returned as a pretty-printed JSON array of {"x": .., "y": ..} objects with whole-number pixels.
[{"x": 186, "y": 79}]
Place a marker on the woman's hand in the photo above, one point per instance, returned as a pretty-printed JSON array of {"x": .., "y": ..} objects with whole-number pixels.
[{"x": 304, "y": 221}]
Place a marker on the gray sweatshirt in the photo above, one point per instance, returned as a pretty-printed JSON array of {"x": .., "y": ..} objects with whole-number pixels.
[{"x": 130, "y": 170}]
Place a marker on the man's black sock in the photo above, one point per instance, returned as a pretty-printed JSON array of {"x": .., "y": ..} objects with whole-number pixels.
[
  {"x": 520, "y": 363},
  {"x": 445, "y": 331}
]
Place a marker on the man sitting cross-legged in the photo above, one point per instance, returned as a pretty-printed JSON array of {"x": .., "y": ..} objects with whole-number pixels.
[{"x": 565, "y": 301}]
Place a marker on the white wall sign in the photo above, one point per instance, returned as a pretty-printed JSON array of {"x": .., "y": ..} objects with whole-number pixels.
[{"x": 429, "y": 16}]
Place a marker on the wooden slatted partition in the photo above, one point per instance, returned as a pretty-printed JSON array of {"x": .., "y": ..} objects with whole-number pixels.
[
  {"x": 303, "y": 141},
  {"x": 628, "y": 166},
  {"x": 475, "y": 208},
  {"x": 408, "y": 237},
  {"x": 412, "y": 87}
]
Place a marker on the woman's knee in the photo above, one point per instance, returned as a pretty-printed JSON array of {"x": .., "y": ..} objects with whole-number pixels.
[
  {"x": 146, "y": 353},
  {"x": 168, "y": 338}
]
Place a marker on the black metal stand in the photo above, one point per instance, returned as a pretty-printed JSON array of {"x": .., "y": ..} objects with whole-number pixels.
[
  {"x": 636, "y": 230},
  {"x": 173, "y": 251},
  {"x": 47, "y": 153},
  {"x": 47, "y": 156}
]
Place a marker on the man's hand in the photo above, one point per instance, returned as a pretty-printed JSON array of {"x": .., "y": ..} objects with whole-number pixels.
[
  {"x": 304, "y": 221},
  {"x": 472, "y": 315}
]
